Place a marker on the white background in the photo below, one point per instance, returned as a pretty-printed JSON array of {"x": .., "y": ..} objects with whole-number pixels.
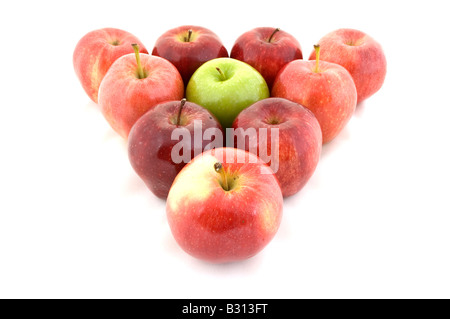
[{"x": 76, "y": 221}]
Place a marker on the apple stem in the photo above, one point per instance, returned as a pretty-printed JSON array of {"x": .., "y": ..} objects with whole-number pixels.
[
  {"x": 221, "y": 73},
  {"x": 188, "y": 39},
  {"x": 273, "y": 33},
  {"x": 219, "y": 169},
  {"x": 183, "y": 102},
  {"x": 317, "y": 48},
  {"x": 138, "y": 60}
]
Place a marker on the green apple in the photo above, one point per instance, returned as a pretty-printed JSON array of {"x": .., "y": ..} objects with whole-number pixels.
[{"x": 225, "y": 87}]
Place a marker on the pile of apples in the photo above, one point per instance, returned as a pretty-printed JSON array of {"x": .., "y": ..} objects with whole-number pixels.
[{"x": 225, "y": 201}]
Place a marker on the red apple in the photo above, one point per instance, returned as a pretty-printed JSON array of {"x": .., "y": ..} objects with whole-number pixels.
[
  {"x": 225, "y": 205},
  {"x": 299, "y": 139},
  {"x": 267, "y": 50},
  {"x": 188, "y": 47},
  {"x": 327, "y": 89},
  {"x": 96, "y": 52},
  {"x": 360, "y": 54},
  {"x": 151, "y": 141},
  {"x": 133, "y": 85}
]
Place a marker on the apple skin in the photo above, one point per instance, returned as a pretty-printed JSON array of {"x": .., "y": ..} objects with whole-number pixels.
[
  {"x": 254, "y": 48},
  {"x": 330, "y": 94},
  {"x": 150, "y": 142},
  {"x": 187, "y": 57},
  {"x": 221, "y": 226},
  {"x": 226, "y": 97},
  {"x": 96, "y": 52},
  {"x": 300, "y": 139},
  {"x": 360, "y": 54},
  {"x": 124, "y": 98}
]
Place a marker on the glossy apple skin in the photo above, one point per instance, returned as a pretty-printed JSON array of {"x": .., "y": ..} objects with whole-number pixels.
[
  {"x": 254, "y": 48},
  {"x": 187, "y": 57},
  {"x": 96, "y": 52},
  {"x": 300, "y": 139},
  {"x": 150, "y": 142},
  {"x": 124, "y": 98},
  {"x": 360, "y": 54},
  {"x": 221, "y": 226},
  {"x": 226, "y": 98},
  {"x": 330, "y": 94}
]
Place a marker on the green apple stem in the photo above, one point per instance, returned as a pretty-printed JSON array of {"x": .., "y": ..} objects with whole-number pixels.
[
  {"x": 221, "y": 73},
  {"x": 183, "y": 102},
  {"x": 219, "y": 169},
  {"x": 273, "y": 33},
  {"x": 188, "y": 38},
  {"x": 317, "y": 48},
  {"x": 138, "y": 61}
]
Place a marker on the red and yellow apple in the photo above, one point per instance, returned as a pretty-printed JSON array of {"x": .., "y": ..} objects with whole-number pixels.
[
  {"x": 225, "y": 205},
  {"x": 327, "y": 89},
  {"x": 96, "y": 52},
  {"x": 188, "y": 47},
  {"x": 360, "y": 54},
  {"x": 133, "y": 85},
  {"x": 298, "y": 142}
]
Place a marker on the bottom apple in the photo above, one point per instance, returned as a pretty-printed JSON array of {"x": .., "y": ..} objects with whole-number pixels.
[{"x": 225, "y": 205}]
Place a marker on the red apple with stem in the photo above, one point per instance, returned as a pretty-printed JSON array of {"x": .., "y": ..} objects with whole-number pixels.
[
  {"x": 327, "y": 89},
  {"x": 188, "y": 47},
  {"x": 96, "y": 52},
  {"x": 151, "y": 141},
  {"x": 299, "y": 141},
  {"x": 267, "y": 50},
  {"x": 224, "y": 206},
  {"x": 133, "y": 85},
  {"x": 360, "y": 54}
]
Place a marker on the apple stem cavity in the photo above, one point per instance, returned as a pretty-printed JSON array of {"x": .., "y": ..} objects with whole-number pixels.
[
  {"x": 317, "y": 48},
  {"x": 273, "y": 33},
  {"x": 219, "y": 169},
  {"x": 141, "y": 74},
  {"x": 222, "y": 75},
  {"x": 183, "y": 102},
  {"x": 188, "y": 38}
]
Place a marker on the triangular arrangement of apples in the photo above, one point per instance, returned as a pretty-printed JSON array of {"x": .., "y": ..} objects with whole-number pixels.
[{"x": 225, "y": 137}]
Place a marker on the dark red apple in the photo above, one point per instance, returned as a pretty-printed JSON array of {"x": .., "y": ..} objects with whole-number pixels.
[
  {"x": 327, "y": 89},
  {"x": 96, "y": 52},
  {"x": 188, "y": 47},
  {"x": 298, "y": 142},
  {"x": 360, "y": 54},
  {"x": 225, "y": 205},
  {"x": 152, "y": 139},
  {"x": 133, "y": 85},
  {"x": 267, "y": 50}
]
